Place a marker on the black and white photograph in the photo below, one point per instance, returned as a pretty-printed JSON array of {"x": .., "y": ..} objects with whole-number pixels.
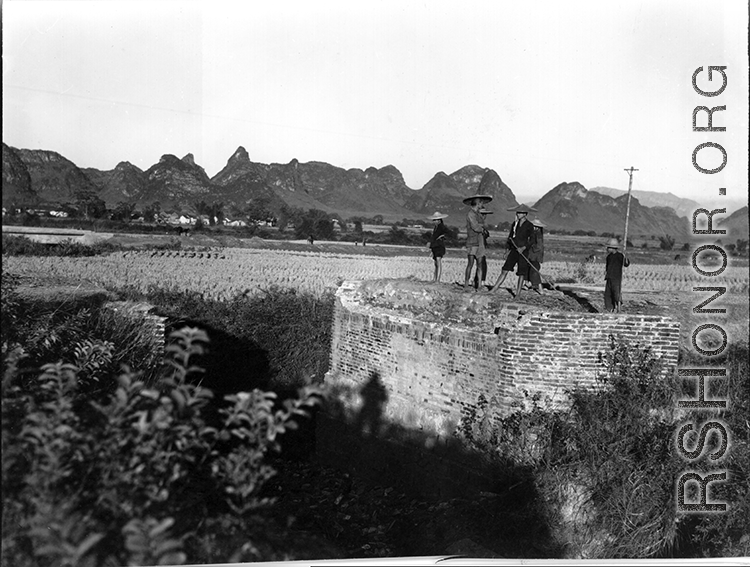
[{"x": 378, "y": 282}]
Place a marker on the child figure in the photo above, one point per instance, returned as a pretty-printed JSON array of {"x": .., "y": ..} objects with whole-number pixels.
[
  {"x": 437, "y": 243},
  {"x": 616, "y": 260},
  {"x": 535, "y": 254}
]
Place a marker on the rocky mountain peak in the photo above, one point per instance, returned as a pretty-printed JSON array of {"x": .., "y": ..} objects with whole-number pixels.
[
  {"x": 570, "y": 190},
  {"x": 16, "y": 184},
  {"x": 240, "y": 154},
  {"x": 124, "y": 166},
  {"x": 491, "y": 184}
]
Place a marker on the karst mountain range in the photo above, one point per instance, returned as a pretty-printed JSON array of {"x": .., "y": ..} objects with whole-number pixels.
[{"x": 43, "y": 177}]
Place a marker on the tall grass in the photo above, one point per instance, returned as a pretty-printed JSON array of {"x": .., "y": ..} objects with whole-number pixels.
[
  {"x": 288, "y": 333},
  {"x": 606, "y": 468},
  {"x": 725, "y": 533},
  {"x": 68, "y": 330}
]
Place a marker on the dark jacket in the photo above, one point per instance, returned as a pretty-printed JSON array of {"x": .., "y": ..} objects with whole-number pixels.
[
  {"x": 535, "y": 251},
  {"x": 615, "y": 263},
  {"x": 435, "y": 241},
  {"x": 520, "y": 235}
]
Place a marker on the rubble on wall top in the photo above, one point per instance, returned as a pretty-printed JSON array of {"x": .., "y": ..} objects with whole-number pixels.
[{"x": 447, "y": 303}]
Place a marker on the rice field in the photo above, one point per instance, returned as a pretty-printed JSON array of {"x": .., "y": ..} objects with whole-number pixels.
[{"x": 224, "y": 273}]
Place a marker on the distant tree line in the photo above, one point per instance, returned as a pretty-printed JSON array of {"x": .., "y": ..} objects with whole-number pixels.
[{"x": 259, "y": 216}]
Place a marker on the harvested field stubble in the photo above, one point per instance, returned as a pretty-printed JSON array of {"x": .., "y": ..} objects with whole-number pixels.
[{"x": 226, "y": 272}]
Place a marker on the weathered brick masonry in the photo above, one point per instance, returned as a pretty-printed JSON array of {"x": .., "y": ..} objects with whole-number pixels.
[{"x": 431, "y": 370}]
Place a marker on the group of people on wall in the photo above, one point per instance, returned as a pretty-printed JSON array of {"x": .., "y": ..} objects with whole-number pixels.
[{"x": 525, "y": 252}]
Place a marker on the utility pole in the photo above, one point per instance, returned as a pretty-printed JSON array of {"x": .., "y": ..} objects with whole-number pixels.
[{"x": 627, "y": 211}]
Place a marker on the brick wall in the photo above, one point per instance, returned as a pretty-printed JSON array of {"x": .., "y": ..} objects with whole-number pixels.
[{"x": 431, "y": 371}]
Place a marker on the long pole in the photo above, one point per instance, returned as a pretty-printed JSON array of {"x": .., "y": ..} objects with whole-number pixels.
[{"x": 627, "y": 211}]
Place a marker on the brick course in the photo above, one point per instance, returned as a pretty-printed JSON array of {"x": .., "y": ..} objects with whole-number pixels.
[{"x": 430, "y": 371}]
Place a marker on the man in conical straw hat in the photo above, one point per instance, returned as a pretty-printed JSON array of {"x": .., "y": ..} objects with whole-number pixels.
[
  {"x": 437, "y": 243},
  {"x": 616, "y": 260},
  {"x": 481, "y": 272},
  {"x": 475, "y": 229},
  {"x": 517, "y": 243}
]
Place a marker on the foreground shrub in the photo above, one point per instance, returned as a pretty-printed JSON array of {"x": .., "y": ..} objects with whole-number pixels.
[
  {"x": 724, "y": 533},
  {"x": 131, "y": 480},
  {"x": 615, "y": 452},
  {"x": 9, "y": 306},
  {"x": 606, "y": 468}
]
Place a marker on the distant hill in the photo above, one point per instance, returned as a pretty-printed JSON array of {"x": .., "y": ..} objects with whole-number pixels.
[
  {"x": 683, "y": 207},
  {"x": 445, "y": 193},
  {"x": 55, "y": 180},
  {"x": 570, "y": 206},
  {"x": 126, "y": 182},
  {"x": 242, "y": 181},
  {"x": 34, "y": 177},
  {"x": 736, "y": 225},
  {"x": 351, "y": 192},
  {"x": 176, "y": 184},
  {"x": 17, "y": 190}
]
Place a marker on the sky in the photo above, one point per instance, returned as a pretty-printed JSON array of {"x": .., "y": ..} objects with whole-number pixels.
[{"x": 541, "y": 92}]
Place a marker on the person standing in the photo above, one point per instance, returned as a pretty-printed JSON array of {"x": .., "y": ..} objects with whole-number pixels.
[
  {"x": 474, "y": 234},
  {"x": 535, "y": 255},
  {"x": 616, "y": 261},
  {"x": 517, "y": 243},
  {"x": 481, "y": 274},
  {"x": 437, "y": 243}
]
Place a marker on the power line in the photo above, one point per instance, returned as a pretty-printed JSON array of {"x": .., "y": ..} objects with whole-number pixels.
[{"x": 229, "y": 118}]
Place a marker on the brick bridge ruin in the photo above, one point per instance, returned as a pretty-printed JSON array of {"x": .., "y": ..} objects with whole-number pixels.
[{"x": 409, "y": 359}]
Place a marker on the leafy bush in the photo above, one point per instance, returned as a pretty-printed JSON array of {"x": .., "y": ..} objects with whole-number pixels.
[
  {"x": 130, "y": 480},
  {"x": 521, "y": 438}
]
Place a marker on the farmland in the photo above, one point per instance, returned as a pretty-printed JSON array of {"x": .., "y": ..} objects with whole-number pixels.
[
  {"x": 222, "y": 273},
  {"x": 225, "y": 273}
]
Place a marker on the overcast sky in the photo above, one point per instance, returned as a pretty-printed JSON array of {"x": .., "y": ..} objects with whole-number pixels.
[{"x": 541, "y": 92}]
